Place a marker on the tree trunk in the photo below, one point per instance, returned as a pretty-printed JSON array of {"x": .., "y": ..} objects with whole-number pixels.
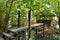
[
  {"x": 1, "y": 23},
  {"x": 4, "y": 21}
]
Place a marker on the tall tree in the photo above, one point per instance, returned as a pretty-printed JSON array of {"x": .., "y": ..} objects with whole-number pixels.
[{"x": 6, "y": 9}]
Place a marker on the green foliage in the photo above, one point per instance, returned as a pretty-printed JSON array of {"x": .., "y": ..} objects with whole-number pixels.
[{"x": 35, "y": 5}]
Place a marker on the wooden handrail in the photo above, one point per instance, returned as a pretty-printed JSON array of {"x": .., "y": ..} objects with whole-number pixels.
[{"x": 24, "y": 28}]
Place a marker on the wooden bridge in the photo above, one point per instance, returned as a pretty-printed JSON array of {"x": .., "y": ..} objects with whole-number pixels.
[
  {"x": 25, "y": 27},
  {"x": 17, "y": 31}
]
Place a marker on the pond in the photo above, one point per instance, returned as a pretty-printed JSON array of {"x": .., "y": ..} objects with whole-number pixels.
[{"x": 35, "y": 37}]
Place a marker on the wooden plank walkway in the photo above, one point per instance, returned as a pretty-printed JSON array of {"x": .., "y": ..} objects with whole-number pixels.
[
  {"x": 8, "y": 35},
  {"x": 24, "y": 28}
]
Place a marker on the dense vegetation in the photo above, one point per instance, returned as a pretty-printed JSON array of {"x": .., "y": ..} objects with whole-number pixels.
[{"x": 8, "y": 9}]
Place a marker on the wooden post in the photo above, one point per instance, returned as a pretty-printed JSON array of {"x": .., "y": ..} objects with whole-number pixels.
[
  {"x": 18, "y": 18},
  {"x": 18, "y": 24},
  {"x": 29, "y": 17}
]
